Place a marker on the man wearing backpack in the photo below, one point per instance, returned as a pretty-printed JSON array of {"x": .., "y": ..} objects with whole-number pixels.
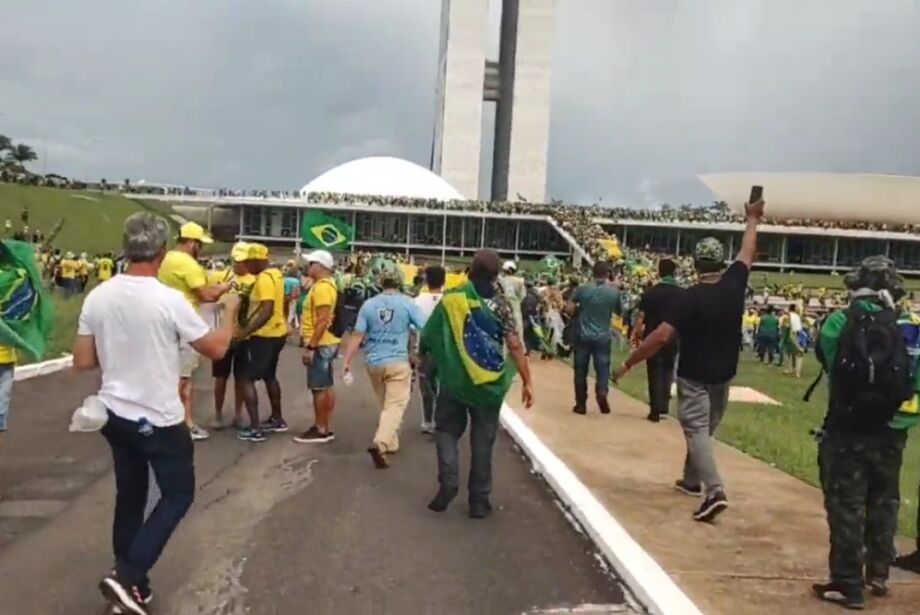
[
  {"x": 869, "y": 351},
  {"x": 321, "y": 345}
]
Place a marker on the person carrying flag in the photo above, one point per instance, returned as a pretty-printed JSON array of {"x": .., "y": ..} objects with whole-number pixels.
[{"x": 467, "y": 336}]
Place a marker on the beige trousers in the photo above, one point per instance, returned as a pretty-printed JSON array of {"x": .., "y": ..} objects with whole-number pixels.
[{"x": 393, "y": 385}]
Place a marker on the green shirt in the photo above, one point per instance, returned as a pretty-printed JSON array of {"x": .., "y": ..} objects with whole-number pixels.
[
  {"x": 907, "y": 417},
  {"x": 769, "y": 325},
  {"x": 597, "y": 303}
]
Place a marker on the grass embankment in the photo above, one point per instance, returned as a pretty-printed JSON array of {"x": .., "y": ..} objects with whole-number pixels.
[
  {"x": 779, "y": 435},
  {"x": 92, "y": 220}
]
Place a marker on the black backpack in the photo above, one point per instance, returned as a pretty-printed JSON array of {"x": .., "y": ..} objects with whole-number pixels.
[{"x": 871, "y": 374}]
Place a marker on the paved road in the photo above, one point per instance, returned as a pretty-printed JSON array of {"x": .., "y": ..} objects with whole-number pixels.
[{"x": 282, "y": 528}]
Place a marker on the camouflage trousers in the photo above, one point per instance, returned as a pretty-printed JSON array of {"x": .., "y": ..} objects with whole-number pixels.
[{"x": 859, "y": 477}]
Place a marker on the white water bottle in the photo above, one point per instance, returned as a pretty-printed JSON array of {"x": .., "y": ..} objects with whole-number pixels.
[{"x": 348, "y": 378}]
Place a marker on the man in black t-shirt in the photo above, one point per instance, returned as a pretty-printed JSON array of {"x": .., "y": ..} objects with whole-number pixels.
[
  {"x": 707, "y": 319},
  {"x": 655, "y": 303}
]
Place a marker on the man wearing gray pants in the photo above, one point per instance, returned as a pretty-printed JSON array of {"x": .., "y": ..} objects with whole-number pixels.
[{"x": 707, "y": 319}]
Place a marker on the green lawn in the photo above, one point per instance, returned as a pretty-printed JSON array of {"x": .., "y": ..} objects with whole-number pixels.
[
  {"x": 92, "y": 220},
  {"x": 810, "y": 280},
  {"x": 779, "y": 435}
]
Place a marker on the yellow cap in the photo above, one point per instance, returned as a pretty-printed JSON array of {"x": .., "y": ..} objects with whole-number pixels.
[
  {"x": 194, "y": 231},
  {"x": 257, "y": 252},
  {"x": 240, "y": 252}
]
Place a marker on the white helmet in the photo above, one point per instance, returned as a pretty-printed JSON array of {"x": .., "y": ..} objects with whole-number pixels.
[{"x": 509, "y": 267}]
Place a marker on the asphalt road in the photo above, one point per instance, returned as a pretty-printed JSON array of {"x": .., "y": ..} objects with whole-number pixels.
[{"x": 281, "y": 528}]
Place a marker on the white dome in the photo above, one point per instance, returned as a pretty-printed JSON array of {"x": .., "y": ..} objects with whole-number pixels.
[{"x": 384, "y": 176}]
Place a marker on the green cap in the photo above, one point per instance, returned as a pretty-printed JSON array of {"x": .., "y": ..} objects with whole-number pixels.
[
  {"x": 877, "y": 273},
  {"x": 709, "y": 249}
]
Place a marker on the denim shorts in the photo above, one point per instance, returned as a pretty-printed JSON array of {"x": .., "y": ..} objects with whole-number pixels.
[
  {"x": 6, "y": 390},
  {"x": 320, "y": 374}
]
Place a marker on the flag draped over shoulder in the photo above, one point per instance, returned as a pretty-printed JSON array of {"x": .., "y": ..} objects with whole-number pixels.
[
  {"x": 26, "y": 314},
  {"x": 320, "y": 230},
  {"x": 466, "y": 340}
]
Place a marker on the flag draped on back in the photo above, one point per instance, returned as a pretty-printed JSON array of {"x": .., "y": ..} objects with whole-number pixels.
[
  {"x": 26, "y": 314},
  {"x": 320, "y": 230},
  {"x": 466, "y": 340}
]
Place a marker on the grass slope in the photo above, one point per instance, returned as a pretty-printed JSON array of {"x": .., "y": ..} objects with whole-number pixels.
[
  {"x": 779, "y": 435},
  {"x": 93, "y": 221}
]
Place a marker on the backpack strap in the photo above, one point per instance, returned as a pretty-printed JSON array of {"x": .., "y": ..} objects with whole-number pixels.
[{"x": 814, "y": 385}]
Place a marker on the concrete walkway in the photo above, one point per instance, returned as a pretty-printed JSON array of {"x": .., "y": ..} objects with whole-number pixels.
[
  {"x": 761, "y": 556},
  {"x": 282, "y": 529}
]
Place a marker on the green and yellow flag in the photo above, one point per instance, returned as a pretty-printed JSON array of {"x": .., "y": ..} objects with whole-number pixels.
[
  {"x": 320, "y": 230},
  {"x": 466, "y": 340},
  {"x": 26, "y": 313}
]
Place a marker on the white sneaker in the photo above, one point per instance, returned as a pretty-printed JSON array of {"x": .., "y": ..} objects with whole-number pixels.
[
  {"x": 428, "y": 428},
  {"x": 198, "y": 433}
]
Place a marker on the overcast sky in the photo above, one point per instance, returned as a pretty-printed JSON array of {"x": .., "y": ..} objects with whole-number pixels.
[{"x": 646, "y": 94}]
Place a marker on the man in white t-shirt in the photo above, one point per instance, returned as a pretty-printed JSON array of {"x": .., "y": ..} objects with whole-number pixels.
[
  {"x": 428, "y": 385},
  {"x": 796, "y": 350},
  {"x": 131, "y": 328}
]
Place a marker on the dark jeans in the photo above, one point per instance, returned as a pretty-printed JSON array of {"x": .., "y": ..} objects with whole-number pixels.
[
  {"x": 428, "y": 386},
  {"x": 767, "y": 346},
  {"x": 138, "y": 543},
  {"x": 597, "y": 350},
  {"x": 451, "y": 423},
  {"x": 660, "y": 379}
]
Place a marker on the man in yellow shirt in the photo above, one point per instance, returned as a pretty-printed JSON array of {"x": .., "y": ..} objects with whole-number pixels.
[
  {"x": 105, "y": 268},
  {"x": 241, "y": 280},
  {"x": 320, "y": 345},
  {"x": 83, "y": 270},
  {"x": 262, "y": 339},
  {"x": 68, "y": 268},
  {"x": 181, "y": 271}
]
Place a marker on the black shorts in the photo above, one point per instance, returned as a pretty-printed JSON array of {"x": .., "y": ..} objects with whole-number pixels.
[
  {"x": 257, "y": 358},
  {"x": 222, "y": 368}
]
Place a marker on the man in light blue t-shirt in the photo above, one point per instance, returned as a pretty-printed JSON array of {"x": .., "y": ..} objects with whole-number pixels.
[{"x": 384, "y": 324}]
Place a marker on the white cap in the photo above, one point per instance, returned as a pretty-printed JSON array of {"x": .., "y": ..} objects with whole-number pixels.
[
  {"x": 321, "y": 257},
  {"x": 509, "y": 266}
]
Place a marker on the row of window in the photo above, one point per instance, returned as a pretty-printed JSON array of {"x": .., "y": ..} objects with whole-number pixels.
[
  {"x": 426, "y": 230},
  {"x": 799, "y": 249}
]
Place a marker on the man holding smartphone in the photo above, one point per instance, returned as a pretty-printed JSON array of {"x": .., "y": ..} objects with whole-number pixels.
[{"x": 707, "y": 319}]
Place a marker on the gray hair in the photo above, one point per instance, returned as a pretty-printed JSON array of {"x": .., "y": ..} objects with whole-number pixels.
[{"x": 144, "y": 237}]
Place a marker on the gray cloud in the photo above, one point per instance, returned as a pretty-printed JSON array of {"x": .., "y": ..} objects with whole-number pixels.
[{"x": 646, "y": 94}]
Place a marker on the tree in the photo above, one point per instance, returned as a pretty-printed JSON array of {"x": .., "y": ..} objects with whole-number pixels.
[
  {"x": 22, "y": 154},
  {"x": 5, "y": 143}
]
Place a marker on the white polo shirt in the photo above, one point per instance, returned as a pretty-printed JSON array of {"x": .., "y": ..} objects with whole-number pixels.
[{"x": 138, "y": 324}]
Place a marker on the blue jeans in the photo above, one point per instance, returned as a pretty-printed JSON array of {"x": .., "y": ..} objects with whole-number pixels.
[
  {"x": 320, "y": 374},
  {"x": 138, "y": 543},
  {"x": 597, "y": 350},
  {"x": 453, "y": 416}
]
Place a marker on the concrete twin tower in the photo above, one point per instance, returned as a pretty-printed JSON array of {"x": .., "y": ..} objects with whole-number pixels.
[{"x": 518, "y": 82}]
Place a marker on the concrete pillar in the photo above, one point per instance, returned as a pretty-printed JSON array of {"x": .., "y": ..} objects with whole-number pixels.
[
  {"x": 836, "y": 251},
  {"x": 458, "y": 116}
]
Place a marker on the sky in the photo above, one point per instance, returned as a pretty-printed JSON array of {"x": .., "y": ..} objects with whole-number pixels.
[{"x": 646, "y": 95}]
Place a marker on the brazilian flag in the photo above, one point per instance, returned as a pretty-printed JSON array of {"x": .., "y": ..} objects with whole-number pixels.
[
  {"x": 320, "y": 230},
  {"x": 26, "y": 314}
]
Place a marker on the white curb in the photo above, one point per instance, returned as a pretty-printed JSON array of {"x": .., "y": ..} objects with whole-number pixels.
[
  {"x": 44, "y": 368},
  {"x": 642, "y": 574}
]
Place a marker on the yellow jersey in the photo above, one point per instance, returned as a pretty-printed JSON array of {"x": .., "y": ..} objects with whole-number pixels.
[
  {"x": 323, "y": 293},
  {"x": 183, "y": 273},
  {"x": 105, "y": 268},
  {"x": 269, "y": 286},
  {"x": 7, "y": 355},
  {"x": 69, "y": 269}
]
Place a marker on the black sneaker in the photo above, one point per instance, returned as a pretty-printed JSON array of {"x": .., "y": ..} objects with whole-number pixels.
[
  {"x": 274, "y": 426},
  {"x": 653, "y": 417},
  {"x": 847, "y": 597},
  {"x": 910, "y": 562},
  {"x": 686, "y": 489},
  {"x": 379, "y": 459},
  {"x": 146, "y": 598},
  {"x": 604, "y": 405},
  {"x": 711, "y": 507},
  {"x": 129, "y": 599},
  {"x": 442, "y": 500},
  {"x": 248, "y": 434},
  {"x": 878, "y": 586},
  {"x": 480, "y": 509},
  {"x": 314, "y": 435},
  {"x": 580, "y": 410}
]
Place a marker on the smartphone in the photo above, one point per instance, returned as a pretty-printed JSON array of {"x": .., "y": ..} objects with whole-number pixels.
[{"x": 756, "y": 194}]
